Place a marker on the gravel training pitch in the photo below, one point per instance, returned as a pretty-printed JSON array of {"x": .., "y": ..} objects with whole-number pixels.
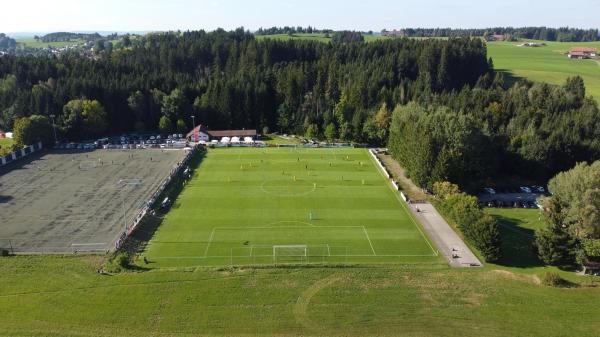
[{"x": 66, "y": 201}]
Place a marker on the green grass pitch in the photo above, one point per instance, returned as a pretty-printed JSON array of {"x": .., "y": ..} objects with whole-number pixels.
[{"x": 333, "y": 205}]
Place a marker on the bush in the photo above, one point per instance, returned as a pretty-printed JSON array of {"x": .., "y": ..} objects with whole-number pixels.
[
  {"x": 118, "y": 263},
  {"x": 4, "y": 252},
  {"x": 478, "y": 228},
  {"x": 552, "y": 279}
]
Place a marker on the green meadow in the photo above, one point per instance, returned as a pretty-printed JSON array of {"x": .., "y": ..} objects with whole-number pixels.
[
  {"x": 247, "y": 206},
  {"x": 64, "y": 296},
  {"x": 547, "y": 63},
  {"x": 32, "y": 43}
]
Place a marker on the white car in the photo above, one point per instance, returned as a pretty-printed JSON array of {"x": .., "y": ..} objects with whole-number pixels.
[
  {"x": 490, "y": 190},
  {"x": 525, "y": 189},
  {"x": 539, "y": 189}
]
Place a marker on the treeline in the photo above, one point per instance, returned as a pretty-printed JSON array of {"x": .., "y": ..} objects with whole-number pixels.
[
  {"x": 346, "y": 36},
  {"x": 292, "y": 30},
  {"x": 232, "y": 80},
  {"x": 479, "y": 229},
  {"x": 64, "y": 36},
  {"x": 6, "y": 42},
  {"x": 474, "y": 135},
  {"x": 564, "y": 34},
  {"x": 572, "y": 214}
]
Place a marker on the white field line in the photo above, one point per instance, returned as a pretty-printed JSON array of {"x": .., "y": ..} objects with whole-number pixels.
[
  {"x": 274, "y": 227},
  {"x": 241, "y": 256},
  {"x": 404, "y": 207},
  {"x": 369, "y": 239},
  {"x": 209, "y": 241}
]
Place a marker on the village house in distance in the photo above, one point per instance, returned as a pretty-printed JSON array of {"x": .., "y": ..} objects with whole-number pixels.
[{"x": 583, "y": 53}]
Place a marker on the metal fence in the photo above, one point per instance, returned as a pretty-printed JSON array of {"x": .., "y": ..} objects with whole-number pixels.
[{"x": 24, "y": 152}]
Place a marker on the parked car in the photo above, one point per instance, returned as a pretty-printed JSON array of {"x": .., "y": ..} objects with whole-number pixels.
[
  {"x": 538, "y": 189},
  {"x": 525, "y": 189},
  {"x": 489, "y": 190}
]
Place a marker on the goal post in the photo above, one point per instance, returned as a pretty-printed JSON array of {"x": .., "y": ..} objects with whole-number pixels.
[
  {"x": 86, "y": 165},
  {"x": 301, "y": 253},
  {"x": 290, "y": 252}
]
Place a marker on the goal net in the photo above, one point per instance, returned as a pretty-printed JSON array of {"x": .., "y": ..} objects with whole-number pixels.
[
  {"x": 290, "y": 253},
  {"x": 87, "y": 165}
]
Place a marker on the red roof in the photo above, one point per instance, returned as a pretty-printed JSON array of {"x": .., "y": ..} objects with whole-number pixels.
[
  {"x": 222, "y": 133},
  {"x": 583, "y": 50}
]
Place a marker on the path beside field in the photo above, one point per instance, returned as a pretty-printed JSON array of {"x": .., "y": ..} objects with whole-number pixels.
[{"x": 445, "y": 238}]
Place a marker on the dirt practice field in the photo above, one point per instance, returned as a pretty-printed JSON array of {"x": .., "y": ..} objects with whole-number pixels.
[{"x": 76, "y": 201}]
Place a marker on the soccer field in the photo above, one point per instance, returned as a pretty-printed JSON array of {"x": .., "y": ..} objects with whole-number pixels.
[{"x": 288, "y": 205}]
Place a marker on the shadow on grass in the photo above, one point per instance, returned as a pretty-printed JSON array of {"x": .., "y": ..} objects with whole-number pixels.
[
  {"x": 518, "y": 248},
  {"x": 509, "y": 77},
  {"x": 138, "y": 241}
]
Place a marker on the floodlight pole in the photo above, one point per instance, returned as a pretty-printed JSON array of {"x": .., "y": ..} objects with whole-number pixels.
[
  {"x": 54, "y": 128},
  {"x": 193, "y": 138}
]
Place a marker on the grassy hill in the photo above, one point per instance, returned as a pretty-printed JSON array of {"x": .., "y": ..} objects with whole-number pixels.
[
  {"x": 32, "y": 43},
  {"x": 548, "y": 63},
  {"x": 64, "y": 296}
]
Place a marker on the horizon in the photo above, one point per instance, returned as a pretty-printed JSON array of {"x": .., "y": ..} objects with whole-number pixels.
[{"x": 184, "y": 15}]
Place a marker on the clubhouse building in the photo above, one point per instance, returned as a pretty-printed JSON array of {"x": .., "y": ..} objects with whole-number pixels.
[{"x": 202, "y": 134}]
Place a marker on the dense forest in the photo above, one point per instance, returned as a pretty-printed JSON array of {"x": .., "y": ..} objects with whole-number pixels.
[
  {"x": 453, "y": 117},
  {"x": 291, "y": 30},
  {"x": 564, "y": 34},
  {"x": 230, "y": 79}
]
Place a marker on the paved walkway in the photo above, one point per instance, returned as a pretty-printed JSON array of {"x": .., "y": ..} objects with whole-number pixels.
[{"x": 445, "y": 238}]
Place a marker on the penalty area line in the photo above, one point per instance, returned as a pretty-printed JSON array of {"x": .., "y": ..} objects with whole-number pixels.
[{"x": 369, "y": 239}]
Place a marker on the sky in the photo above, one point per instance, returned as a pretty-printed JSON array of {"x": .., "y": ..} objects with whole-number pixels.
[{"x": 161, "y": 15}]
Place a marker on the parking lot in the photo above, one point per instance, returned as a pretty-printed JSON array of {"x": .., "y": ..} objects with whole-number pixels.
[
  {"x": 75, "y": 200},
  {"x": 516, "y": 197},
  {"x": 128, "y": 142}
]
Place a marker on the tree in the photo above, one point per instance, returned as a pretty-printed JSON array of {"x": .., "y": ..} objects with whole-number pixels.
[
  {"x": 94, "y": 118},
  {"x": 165, "y": 126},
  {"x": 330, "y": 132},
  {"x": 312, "y": 131},
  {"x": 172, "y": 105},
  {"x": 576, "y": 200},
  {"x": 181, "y": 127},
  {"x": 30, "y": 130},
  {"x": 444, "y": 189},
  {"x": 575, "y": 86},
  {"x": 136, "y": 103},
  {"x": 382, "y": 122},
  {"x": 555, "y": 246},
  {"x": 84, "y": 119}
]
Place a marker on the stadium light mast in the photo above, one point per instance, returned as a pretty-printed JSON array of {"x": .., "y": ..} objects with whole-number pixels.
[{"x": 54, "y": 128}]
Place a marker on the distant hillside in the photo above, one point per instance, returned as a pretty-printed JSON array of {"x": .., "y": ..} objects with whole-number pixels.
[{"x": 65, "y": 36}]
